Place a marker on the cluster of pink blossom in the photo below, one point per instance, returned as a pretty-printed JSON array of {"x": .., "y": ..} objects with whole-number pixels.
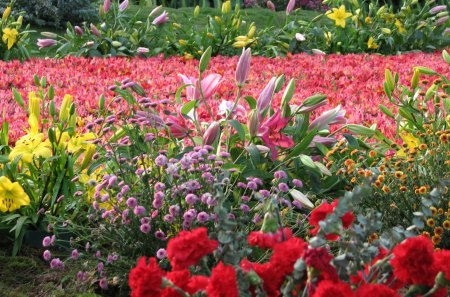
[{"x": 353, "y": 81}]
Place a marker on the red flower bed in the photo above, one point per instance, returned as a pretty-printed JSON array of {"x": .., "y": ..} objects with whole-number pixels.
[{"x": 354, "y": 81}]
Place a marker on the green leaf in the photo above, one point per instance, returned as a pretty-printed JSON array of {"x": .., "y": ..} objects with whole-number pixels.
[
  {"x": 238, "y": 127},
  {"x": 204, "y": 60},
  {"x": 313, "y": 100},
  {"x": 254, "y": 153},
  {"x": 188, "y": 107},
  {"x": 178, "y": 93},
  {"x": 386, "y": 111},
  {"x": 352, "y": 141},
  {"x": 302, "y": 145},
  {"x": 251, "y": 101},
  {"x": 19, "y": 225}
]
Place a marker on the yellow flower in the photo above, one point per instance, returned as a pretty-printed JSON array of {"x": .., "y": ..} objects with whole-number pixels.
[
  {"x": 368, "y": 20},
  {"x": 339, "y": 15},
  {"x": 12, "y": 195},
  {"x": 327, "y": 37},
  {"x": 242, "y": 41},
  {"x": 411, "y": 142},
  {"x": 182, "y": 42},
  {"x": 371, "y": 44},
  {"x": 34, "y": 105},
  {"x": 30, "y": 147},
  {"x": 399, "y": 26},
  {"x": 226, "y": 7},
  {"x": 10, "y": 37},
  {"x": 79, "y": 142},
  {"x": 6, "y": 13}
]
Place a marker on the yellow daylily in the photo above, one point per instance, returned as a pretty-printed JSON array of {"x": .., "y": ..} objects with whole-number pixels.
[
  {"x": 339, "y": 15},
  {"x": 10, "y": 37},
  {"x": 79, "y": 142},
  {"x": 399, "y": 26},
  {"x": 12, "y": 195},
  {"x": 368, "y": 20},
  {"x": 30, "y": 147},
  {"x": 371, "y": 43},
  {"x": 410, "y": 141},
  {"x": 6, "y": 13}
]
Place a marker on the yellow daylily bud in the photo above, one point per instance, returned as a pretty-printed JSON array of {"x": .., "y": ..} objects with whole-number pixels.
[
  {"x": 20, "y": 20},
  {"x": 176, "y": 26},
  {"x": 65, "y": 108},
  {"x": 415, "y": 78},
  {"x": 6, "y": 13},
  {"x": 218, "y": 19},
  {"x": 251, "y": 31},
  {"x": 210, "y": 35},
  {"x": 182, "y": 42},
  {"x": 242, "y": 38},
  {"x": 188, "y": 56},
  {"x": 200, "y": 52},
  {"x": 239, "y": 44},
  {"x": 88, "y": 154},
  {"x": 226, "y": 7},
  {"x": 371, "y": 43},
  {"x": 238, "y": 23},
  {"x": 34, "y": 105},
  {"x": 197, "y": 11},
  {"x": 386, "y": 31},
  {"x": 368, "y": 20}
]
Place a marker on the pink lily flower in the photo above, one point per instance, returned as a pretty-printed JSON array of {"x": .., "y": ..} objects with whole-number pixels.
[
  {"x": 209, "y": 85},
  {"x": 226, "y": 106},
  {"x": 177, "y": 125},
  {"x": 271, "y": 135},
  {"x": 329, "y": 117}
]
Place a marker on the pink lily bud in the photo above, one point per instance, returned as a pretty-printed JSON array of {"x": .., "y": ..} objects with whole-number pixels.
[
  {"x": 211, "y": 133},
  {"x": 243, "y": 66},
  {"x": 161, "y": 19},
  {"x": 438, "y": 9},
  {"x": 270, "y": 5},
  {"x": 107, "y": 5},
  {"x": 78, "y": 30},
  {"x": 46, "y": 43},
  {"x": 123, "y": 5},
  {"x": 326, "y": 141},
  {"x": 300, "y": 37},
  {"x": 142, "y": 50},
  {"x": 155, "y": 10},
  {"x": 95, "y": 31},
  {"x": 441, "y": 21},
  {"x": 306, "y": 109},
  {"x": 265, "y": 97},
  {"x": 290, "y": 7}
]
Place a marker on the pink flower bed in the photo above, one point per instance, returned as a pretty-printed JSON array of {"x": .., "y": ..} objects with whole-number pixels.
[{"x": 354, "y": 81}]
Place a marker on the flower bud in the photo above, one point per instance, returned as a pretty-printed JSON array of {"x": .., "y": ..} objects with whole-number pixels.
[
  {"x": 78, "y": 30},
  {"x": 243, "y": 66},
  {"x": 6, "y": 13},
  {"x": 88, "y": 154},
  {"x": 94, "y": 30},
  {"x": 211, "y": 133},
  {"x": 415, "y": 78},
  {"x": 123, "y": 5},
  {"x": 265, "y": 97},
  {"x": 270, "y": 5},
  {"x": 226, "y": 7},
  {"x": 106, "y": 6},
  {"x": 253, "y": 122},
  {"x": 438, "y": 9},
  {"x": 155, "y": 10},
  {"x": 300, "y": 37},
  {"x": 65, "y": 107},
  {"x": 197, "y": 11},
  {"x": 290, "y": 7},
  {"x": 161, "y": 19},
  {"x": 116, "y": 43}
]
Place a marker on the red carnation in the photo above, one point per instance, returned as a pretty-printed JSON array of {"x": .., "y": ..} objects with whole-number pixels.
[
  {"x": 271, "y": 282},
  {"x": 145, "y": 280},
  {"x": 223, "y": 282},
  {"x": 375, "y": 290},
  {"x": 268, "y": 240},
  {"x": 189, "y": 247},
  {"x": 285, "y": 255},
  {"x": 327, "y": 288},
  {"x": 179, "y": 278},
  {"x": 320, "y": 259},
  {"x": 320, "y": 213},
  {"x": 197, "y": 283},
  {"x": 413, "y": 261},
  {"x": 442, "y": 259}
]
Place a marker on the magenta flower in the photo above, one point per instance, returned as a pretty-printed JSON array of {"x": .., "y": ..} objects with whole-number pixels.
[
  {"x": 177, "y": 125},
  {"x": 270, "y": 5},
  {"x": 106, "y": 5},
  {"x": 46, "y": 43},
  {"x": 265, "y": 97},
  {"x": 290, "y": 7},
  {"x": 161, "y": 19},
  {"x": 243, "y": 66},
  {"x": 209, "y": 85},
  {"x": 272, "y": 135},
  {"x": 123, "y": 5}
]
